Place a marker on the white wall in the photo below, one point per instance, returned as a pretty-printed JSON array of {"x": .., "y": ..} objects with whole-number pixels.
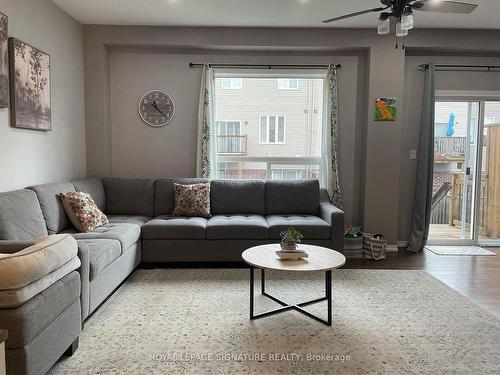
[{"x": 33, "y": 157}]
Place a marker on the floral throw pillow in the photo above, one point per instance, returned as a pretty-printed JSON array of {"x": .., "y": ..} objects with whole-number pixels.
[
  {"x": 192, "y": 200},
  {"x": 82, "y": 211}
]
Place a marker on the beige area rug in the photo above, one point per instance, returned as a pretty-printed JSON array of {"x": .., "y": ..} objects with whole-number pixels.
[{"x": 183, "y": 321}]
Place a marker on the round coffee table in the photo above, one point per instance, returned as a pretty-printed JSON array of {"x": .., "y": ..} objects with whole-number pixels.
[{"x": 319, "y": 259}]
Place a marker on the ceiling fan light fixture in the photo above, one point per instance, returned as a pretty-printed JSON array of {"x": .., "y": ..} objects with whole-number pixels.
[
  {"x": 400, "y": 32},
  {"x": 407, "y": 20},
  {"x": 384, "y": 25}
]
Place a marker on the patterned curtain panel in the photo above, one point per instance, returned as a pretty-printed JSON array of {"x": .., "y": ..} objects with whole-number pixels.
[
  {"x": 331, "y": 177},
  {"x": 206, "y": 165}
]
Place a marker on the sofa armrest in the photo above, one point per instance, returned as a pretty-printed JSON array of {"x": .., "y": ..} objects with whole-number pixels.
[
  {"x": 335, "y": 217},
  {"x": 83, "y": 254},
  {"x": 13, "y": 246}
]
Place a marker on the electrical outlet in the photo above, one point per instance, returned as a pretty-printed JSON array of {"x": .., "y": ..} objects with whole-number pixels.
[{"x": 413, "y": 154}]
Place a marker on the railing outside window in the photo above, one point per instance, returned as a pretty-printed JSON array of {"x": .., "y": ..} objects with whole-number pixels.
[
  {"x": 232, "y": 144},
  {"x": 244, "y": 167}
]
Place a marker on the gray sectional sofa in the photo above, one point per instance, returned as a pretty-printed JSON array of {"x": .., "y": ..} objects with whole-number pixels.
[{"x": 141, "y": 229}]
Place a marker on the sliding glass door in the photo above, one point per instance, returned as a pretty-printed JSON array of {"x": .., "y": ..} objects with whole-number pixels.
[
  {"x": 489, "y": 201},
  {"x": 466, "y": 181}
]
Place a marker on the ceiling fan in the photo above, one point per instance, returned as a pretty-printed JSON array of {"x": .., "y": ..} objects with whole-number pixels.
[{"x": 402, "y": 11}]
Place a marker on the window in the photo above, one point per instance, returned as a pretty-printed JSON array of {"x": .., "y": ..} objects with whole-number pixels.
[
  {"x": 228, "y": 128},
  {"x": 488, "y": 120},
  {"x": 286, "y": 174},
  {"x": 272, "y": 129},
  {"x": 267, "y": 133},
  {"x": 288, "y": 84},
  {"x": 229, "y": 139},
  {"x": 232, "y": 83}
]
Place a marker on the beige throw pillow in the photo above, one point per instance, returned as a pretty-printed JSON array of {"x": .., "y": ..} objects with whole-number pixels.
[
  {"x": 82, "y": 211},
  {"x": 192, "y": 200}
]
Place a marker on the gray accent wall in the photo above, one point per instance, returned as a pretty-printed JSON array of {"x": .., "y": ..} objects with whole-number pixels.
[
  {"x": 122, "y": 62},
  {"x": 29, "y": 157}
]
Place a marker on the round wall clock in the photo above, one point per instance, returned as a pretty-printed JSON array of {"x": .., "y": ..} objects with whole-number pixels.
[{"x": 156, "y": 108}]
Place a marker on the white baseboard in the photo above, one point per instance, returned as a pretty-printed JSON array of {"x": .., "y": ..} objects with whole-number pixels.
[
  {"x": 402, "y": 244},
  {"x": 391, "y": 249}
]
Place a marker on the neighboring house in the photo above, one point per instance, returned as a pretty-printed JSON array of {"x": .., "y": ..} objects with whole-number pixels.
[{"x": 269, "y": 127}]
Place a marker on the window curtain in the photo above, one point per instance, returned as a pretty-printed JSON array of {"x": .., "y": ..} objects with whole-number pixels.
[
  {"x": 330, "y": 149},
  {"x": 423, "y": 194},
  {"x": 206, "y": 163}
]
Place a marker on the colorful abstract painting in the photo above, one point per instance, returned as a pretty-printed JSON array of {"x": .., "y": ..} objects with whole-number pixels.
[
  {"x": 29, "y": 86},
  {"x": 385, "y": 109},
  {"x": 4, "y": 62}
]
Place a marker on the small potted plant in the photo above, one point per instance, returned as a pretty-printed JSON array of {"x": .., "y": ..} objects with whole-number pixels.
[
  {"x": 353, "y": 237},
  {"x": 290, "y": 238}
]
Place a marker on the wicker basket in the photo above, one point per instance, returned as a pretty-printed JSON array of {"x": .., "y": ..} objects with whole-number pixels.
[{"x": 374, "y": 246}]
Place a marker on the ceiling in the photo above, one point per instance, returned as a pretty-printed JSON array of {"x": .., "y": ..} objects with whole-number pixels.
[{"x": 263, "y": 13}]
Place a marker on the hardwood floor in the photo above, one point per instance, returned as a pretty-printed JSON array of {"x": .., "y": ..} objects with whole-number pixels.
[{"x": 476, "y": 277}]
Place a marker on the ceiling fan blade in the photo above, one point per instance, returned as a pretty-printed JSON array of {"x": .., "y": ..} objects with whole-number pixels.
[
  {"x": 444, "y": 6},
  {"x": 354, "y": 14}
]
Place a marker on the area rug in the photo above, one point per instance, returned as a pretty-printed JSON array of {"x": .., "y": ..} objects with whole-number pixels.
[
  {"x": 167, "y": 321},
  {"x": 459, "y": 250}
]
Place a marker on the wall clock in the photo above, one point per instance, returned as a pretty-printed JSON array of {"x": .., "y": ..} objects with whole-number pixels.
[{"x": 156, "y": 108}]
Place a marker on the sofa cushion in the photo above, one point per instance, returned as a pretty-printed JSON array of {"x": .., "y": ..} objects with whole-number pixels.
[
  {"x": 174, "y": 227},
  {"x": 11, "y": 298},
  {"x": 165, "y": 195},
  {"x": 30, "y": 264},
  {"x": 237, "y": 227},
  {"x": 292, "y": 197},
  {"x": 28, "y": 320},
  {"x": 312, "y": 227},
  {"x": 21, "y": 217},
  {"x": 238, "y": 197},
  {"x": 82, "y": 211},
  {"x": 102, "y": 253},
  {"x": 192, "y": 200},
  {"x": 93, "y": 186},
  {"x": 128, "y": 196},
  {"x": 127, "y": 234},
  {"x": 55, "y": 217},
  {"x": 128, "y": 219}
]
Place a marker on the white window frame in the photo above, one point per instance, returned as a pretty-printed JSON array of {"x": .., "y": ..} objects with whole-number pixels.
[
  {"x": 235, "y": 83},
  {"x": 275, "y": 131},
  {"x": 284, "y": 84},
  {"x": 218, "y": 122}
]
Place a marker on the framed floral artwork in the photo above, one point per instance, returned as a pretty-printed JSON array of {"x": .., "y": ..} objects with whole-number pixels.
[{"x": 29, "y": 86}]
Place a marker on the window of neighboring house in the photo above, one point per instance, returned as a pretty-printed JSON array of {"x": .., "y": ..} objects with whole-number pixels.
[
  {"x": 232, "y": 83},
  {"x": 488, "y": 120},
  {"x": 288, "y": 84},
  {"x": 228, "y": 137},
  {"x": 272, "y": 129},
  {"x": 286, "y": 174}
]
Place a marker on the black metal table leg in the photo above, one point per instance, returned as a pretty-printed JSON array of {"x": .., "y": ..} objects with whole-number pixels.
[
  {"x": 297, "y": 307},
  {"x": 328, "y": 290},
  {"x": 263, "y": 281},
  {"x": 251, "y": 291}
]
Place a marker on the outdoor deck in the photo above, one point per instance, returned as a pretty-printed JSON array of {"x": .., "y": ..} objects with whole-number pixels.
[{"x": 446, "y": 232}]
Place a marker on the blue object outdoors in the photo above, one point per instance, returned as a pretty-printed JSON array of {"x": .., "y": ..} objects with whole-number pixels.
[{"x": 451, "y": 125}]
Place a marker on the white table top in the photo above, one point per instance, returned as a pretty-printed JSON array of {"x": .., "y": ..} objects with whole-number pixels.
[{"x": 320, "y": 258}]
